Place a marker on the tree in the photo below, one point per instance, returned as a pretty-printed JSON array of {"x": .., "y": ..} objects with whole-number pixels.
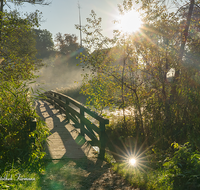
[
  {"x": 192, "y": 51},
  {"x": 44, "y": 43},
  {"x": 17, "y": 2},
  {"x": 18, "y": 46},
  {"x": 67, "y": 43},
  {"x": 151, "y": 6}
]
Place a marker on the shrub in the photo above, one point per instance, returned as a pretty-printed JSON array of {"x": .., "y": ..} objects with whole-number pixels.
[
  {"x": 183, "y": 168},
  {"x": 16, "y": 113}
]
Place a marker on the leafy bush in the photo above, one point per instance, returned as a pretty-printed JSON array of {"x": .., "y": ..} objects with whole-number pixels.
[
  {"x": 16, "y": 113},
  {"x": 183, "y": 168}
]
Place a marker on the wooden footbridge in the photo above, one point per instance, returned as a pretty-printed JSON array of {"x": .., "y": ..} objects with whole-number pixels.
[{"x": 74, "y": 128}]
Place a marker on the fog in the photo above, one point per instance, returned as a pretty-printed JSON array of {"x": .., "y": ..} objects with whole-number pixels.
[{"x": 59, "y": 72}]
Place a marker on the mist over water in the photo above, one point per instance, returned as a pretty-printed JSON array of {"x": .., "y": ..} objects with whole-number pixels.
[{"x": 59, "y": 72}]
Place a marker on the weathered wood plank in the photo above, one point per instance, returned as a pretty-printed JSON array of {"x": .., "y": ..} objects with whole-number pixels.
[{"x": 85, "y": 131}]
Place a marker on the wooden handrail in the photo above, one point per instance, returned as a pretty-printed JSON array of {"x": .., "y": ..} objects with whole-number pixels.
[{"x": 63, "y": 103}]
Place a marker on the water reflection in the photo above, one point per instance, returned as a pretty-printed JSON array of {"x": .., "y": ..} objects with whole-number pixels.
[{"x": 118, "y": 112}]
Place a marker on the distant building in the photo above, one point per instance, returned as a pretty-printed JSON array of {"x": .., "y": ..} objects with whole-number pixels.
[{"x": 170, "y": 75}]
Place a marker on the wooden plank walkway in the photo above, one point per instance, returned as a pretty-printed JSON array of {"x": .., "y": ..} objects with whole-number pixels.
[{"x": 65, "y": 140}]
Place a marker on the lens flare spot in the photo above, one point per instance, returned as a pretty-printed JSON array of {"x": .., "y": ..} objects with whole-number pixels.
[{"x": 132, "y": 161}]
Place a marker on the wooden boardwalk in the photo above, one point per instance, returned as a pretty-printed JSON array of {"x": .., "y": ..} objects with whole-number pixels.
[{"x": 65, "y": 140}]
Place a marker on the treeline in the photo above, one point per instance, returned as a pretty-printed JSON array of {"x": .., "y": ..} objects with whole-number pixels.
[{"x": 133, "y": 71}]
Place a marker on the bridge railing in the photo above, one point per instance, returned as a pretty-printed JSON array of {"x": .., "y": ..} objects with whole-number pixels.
[{"x": 95, "y": 132}]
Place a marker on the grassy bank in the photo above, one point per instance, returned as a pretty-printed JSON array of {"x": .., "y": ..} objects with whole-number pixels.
[
  {"x": 174, "y": 168},
  {"x": 179, "y": 172}
]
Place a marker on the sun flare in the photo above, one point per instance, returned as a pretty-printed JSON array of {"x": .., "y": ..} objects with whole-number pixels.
[
  {"x": 130, "y": 22},
  {"x": 132, "y": 161}
]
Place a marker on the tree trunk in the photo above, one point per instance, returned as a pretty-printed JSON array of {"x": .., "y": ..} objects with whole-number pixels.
[
  {"x": 183, "y": 42},
  {"x": 1, "y": 17},
  {"x": 185, "y": 32}
]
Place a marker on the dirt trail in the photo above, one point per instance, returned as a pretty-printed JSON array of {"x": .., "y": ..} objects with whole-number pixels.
[{"x": 84, "y": 174}]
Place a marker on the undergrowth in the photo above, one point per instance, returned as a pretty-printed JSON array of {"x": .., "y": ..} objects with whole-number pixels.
[
  {"x": 22, "y": 149},
  {"x": 179, "y": 171}
]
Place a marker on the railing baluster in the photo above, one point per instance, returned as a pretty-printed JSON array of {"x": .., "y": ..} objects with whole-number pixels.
[
  {"x": 81, "y": 122},
  {"x": 52, "y": 94},
  {"x": 102, "y": 138},
  {"x": 67, "y": 114}
]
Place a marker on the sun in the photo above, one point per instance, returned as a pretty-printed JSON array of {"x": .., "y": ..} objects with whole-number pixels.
[{"x": 130, "y": 22}]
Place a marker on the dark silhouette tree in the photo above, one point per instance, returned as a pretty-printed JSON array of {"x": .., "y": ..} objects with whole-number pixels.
[
  {"x": 66, "y": 43},
  {"x": 44, "y": 43}
]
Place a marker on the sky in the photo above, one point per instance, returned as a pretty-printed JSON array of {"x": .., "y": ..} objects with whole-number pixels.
[{"x": 62, "y": 15}]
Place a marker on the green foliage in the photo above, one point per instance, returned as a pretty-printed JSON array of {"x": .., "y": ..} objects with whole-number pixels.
[
  {"x": 15, "y": 130},
  {"x": 44, "y": 43},
  {"x": 20, "y": 143},
  {"x": 183, "y": 168},
  {"x": 18, "y": 46},
  {"x": 115, "y": 130},
  {"x": 179, "y": 171},
  {"x": 20, "y": 178},
  {"x": 140, "y": 177},
  {"x": 20, "y": 156},
  {"x": 67, "y": 43},
  {"x": 133, "y": 70},
  {"x": 95, "y": 88}
]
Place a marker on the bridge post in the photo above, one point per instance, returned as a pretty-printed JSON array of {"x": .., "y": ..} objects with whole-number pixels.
[
  {"x": 66, "y": 111},
  {"x": 81, "y": 122},
  {"x": 102, "y": 139},
  {"x": 53, "y": 99},
  {"x": 56, "y": 107}
]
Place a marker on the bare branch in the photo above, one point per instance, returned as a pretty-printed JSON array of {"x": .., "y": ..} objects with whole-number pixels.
[
  {"x": 197, "y": 6},
  {"x": 41, "y": 2},
  {"x": 179, "y": 9}
]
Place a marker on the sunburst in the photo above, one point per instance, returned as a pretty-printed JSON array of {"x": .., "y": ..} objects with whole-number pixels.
[{"x": 130, "y": 22}]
